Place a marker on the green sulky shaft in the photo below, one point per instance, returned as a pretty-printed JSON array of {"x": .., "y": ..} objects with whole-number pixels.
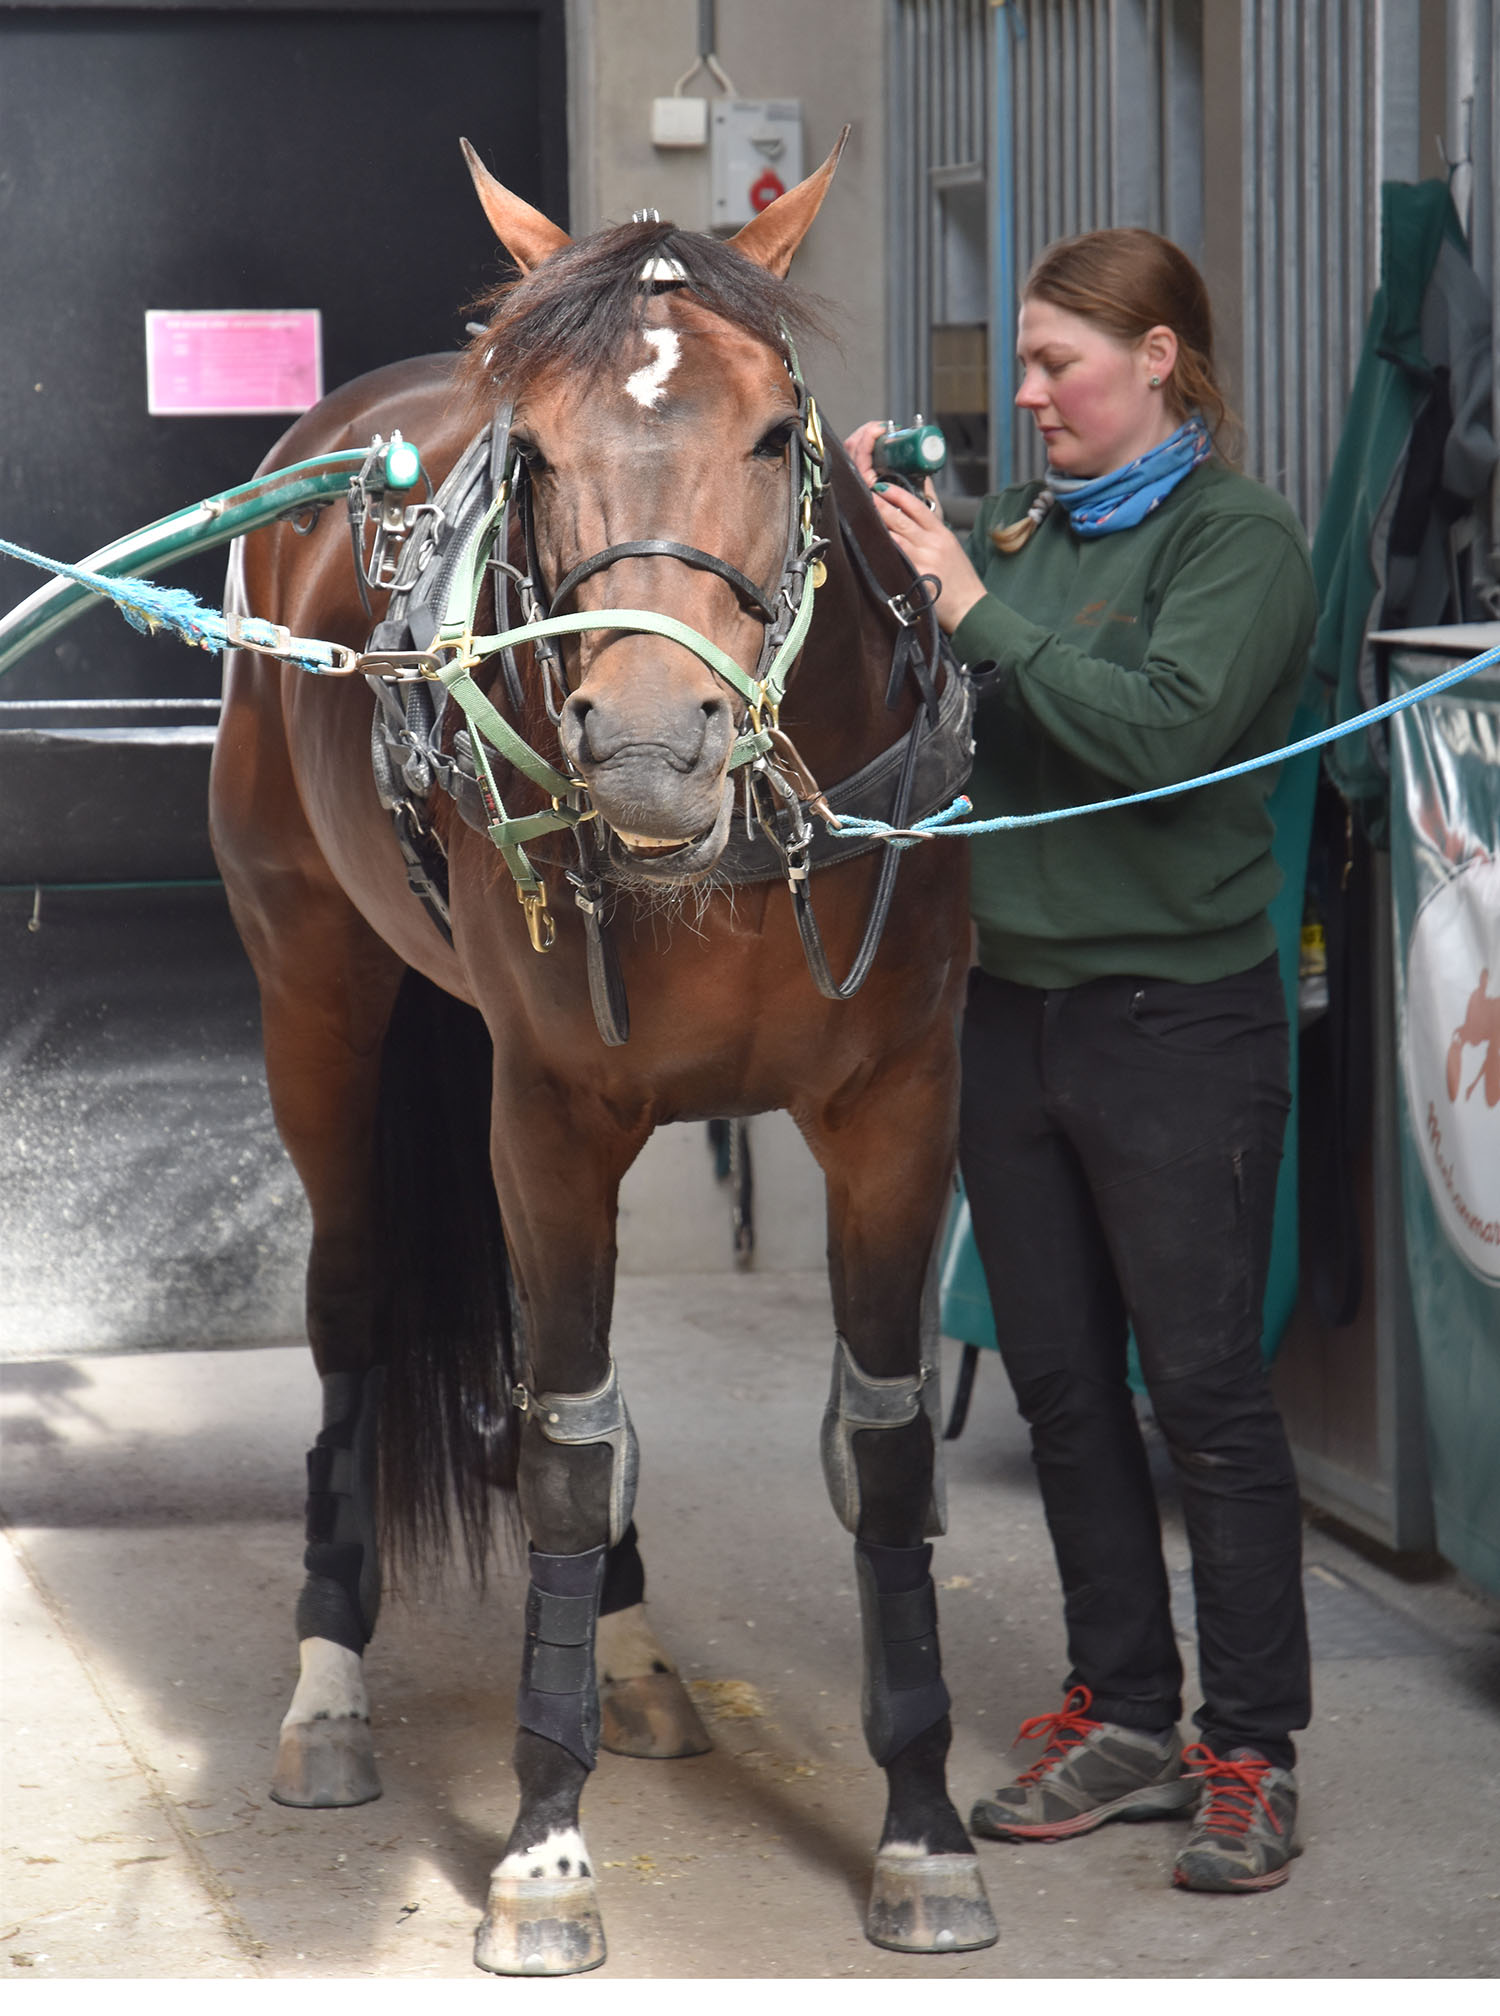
[{"x": 197, "y": 529}]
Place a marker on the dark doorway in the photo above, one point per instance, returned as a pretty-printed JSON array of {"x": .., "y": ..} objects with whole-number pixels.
[
  {"x": 188, "y": 157},
  {"x": 231, "y": 157}
]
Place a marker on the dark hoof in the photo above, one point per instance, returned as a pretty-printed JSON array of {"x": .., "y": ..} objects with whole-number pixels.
[
  {"x": 929, "y": 1904},
  {"x": 650, "y": 1716},
  {"x": 535, "y": 1927},
  {"x": 328, "y": 1763}
]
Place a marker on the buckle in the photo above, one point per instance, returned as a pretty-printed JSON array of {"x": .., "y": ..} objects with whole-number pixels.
[
  {"x": 915, "y": 602},
  {"x": 398, "y": 664}
]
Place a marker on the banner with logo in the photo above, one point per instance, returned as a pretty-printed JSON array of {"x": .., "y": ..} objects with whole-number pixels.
[{"x": 1445, "y": 873}]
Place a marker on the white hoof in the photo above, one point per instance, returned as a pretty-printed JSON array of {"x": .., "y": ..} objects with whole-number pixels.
[
  {"x": 543, "y": 1911},
  {"x": 929, "y": 1904},
  {"x": 326, "y": 1756},
  {"x": 644, "y": 1709},
  {"x": 540, "y": 1928}
]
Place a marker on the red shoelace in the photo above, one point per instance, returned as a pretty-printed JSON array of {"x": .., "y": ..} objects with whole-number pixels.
[
  {"x": 1234, "y": 1786},
  {"x": 1061, "y": 1732}
]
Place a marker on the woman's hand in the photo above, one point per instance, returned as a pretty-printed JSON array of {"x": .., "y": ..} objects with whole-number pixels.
[
  {"x": 860, "y": 448},
  {"x": 930, "y": 547}
]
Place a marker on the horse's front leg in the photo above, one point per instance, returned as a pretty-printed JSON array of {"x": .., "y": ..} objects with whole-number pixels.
[
  {"x": 888, "y": 1160},
  {"x": 558, "y": 1170}
]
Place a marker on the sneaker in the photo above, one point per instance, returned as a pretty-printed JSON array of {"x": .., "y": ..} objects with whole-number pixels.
[
  {"x": 1243, "y": 1829},
  {"x": 1090, "y": 1772}
]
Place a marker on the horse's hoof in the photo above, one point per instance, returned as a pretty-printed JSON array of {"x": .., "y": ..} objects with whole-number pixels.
[
  {"x": 327, "y": 1763},
  {"x": 650, "y": 1716},
  {"x": 929, "y": 1904},
  {"x": 536, "y": 1927}
]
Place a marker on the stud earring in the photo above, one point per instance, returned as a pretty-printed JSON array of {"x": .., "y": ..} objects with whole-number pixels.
[{"x": 1155, "y": 381}]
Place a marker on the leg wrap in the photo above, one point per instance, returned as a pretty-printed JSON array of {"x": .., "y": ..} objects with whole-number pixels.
[
  {"x": 341, "y": 1597},
  {"x": 857, "y": 1404},
  {"x": 559, "y": 1696},
  {"x": 600, "y": 1416},
  {"x": 904, "y": 1692}
]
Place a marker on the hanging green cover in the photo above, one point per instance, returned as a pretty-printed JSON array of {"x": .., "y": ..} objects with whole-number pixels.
[{"x": 1424, "y": 365}]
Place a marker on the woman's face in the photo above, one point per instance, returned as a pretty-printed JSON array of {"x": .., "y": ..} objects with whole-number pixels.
[{"x": 1090, "y": 394}]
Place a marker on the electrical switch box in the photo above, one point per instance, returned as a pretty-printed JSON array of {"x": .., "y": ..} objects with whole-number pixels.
[
  {"x": 679, "y": 122},
  {"x": 756, "y": 156}
]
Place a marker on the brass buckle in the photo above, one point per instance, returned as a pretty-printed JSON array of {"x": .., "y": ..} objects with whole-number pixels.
[
  {"x": 541, "y": 925},
  {"x": 812, "y": 427}
]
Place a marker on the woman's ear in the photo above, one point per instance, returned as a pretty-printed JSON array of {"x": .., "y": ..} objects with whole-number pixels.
[{"x": 1158, "y": 350}]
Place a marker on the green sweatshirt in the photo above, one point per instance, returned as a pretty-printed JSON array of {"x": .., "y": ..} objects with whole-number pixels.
[{"x": 1153, "y": 654}]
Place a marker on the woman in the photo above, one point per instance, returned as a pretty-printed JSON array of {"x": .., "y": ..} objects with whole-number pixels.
[{"x": 1147, "y": 613}]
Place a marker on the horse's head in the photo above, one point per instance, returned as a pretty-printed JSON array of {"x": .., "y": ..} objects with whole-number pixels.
[{"x": 653, "y": 403}]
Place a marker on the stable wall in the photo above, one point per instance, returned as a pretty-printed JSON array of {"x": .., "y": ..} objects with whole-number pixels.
[{"x": 624, "y": 53}]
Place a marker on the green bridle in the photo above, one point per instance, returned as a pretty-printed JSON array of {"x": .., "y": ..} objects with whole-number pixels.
[{"x": 802, "y": 574}]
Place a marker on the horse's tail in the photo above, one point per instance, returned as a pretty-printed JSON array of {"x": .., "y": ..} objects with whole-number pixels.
[{"x": 443, "y": 1285}]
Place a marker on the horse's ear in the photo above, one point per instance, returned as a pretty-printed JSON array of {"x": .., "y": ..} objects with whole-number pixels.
[
  {"x": 772, "y": 238},
  {"x": 526, "y": 234}
]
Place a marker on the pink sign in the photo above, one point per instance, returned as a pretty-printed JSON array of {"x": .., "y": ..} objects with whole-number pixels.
[{"x": 252, "y": 361}]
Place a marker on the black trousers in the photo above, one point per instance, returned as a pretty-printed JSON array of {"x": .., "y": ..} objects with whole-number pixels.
[{"x": 1120, "y": 1144}]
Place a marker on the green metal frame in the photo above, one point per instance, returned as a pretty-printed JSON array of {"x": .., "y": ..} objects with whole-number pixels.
[{"x": 197, "y": 529}]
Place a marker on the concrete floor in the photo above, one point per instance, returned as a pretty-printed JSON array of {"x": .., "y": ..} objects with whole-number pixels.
[{"x": 153, "y": 1514}]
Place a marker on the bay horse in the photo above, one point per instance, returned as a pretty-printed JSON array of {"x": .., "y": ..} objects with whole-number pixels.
[{"x": 459, "y": 1126}]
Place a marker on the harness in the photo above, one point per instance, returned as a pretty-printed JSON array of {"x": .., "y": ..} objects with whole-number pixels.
[{"x": 422, "y": 658}]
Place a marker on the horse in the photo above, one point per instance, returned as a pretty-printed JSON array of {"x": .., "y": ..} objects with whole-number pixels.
[{"x": 461, "y": 1081}]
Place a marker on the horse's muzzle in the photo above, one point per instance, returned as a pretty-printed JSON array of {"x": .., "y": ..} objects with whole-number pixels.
[
  {"x": 644, "y": 861},
  {"x": 656, "y": 767}
]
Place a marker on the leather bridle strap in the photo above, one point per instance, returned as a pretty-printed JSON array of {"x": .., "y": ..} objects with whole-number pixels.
[
  {"x": 666, "y": 549},
  {"x": 885, "y": 887}
]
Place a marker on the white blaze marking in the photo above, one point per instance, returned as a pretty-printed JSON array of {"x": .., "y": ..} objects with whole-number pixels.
[
  {"x": 544, "y": 1863},
  {"x": 648, "y": 386},
  {"x": 332, "y": 1686}
]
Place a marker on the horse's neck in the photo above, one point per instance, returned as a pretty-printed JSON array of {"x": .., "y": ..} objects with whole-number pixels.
[{"x": 835, "y": 706}]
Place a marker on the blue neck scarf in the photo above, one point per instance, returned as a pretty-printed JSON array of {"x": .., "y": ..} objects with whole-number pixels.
[{"x": 1099, "y": 504}]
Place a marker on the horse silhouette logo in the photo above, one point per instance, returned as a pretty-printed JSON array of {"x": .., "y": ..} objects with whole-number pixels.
[
  {"x": 1480, "y": 1029},
  {"x": 1450, "y": 1052}
]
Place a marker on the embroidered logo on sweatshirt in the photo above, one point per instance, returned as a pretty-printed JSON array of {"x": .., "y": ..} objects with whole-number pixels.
[{"x": 1092, "y": 614}]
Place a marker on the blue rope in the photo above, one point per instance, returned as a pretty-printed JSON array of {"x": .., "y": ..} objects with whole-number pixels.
[
  {"x": 939, "y": 825},
  {"x": 148, "y": 608}
]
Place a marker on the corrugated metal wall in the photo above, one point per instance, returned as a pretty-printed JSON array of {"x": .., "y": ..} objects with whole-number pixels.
[
  {"x": 1057, "y": 116},
  {"x": 941, "y": 149},
  {"x": 1069, "y": 115},
  {"x": 1329, "y": 91}
]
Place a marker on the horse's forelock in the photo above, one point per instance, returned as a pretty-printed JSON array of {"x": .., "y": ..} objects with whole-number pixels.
[{"x": 576, "y": 312}]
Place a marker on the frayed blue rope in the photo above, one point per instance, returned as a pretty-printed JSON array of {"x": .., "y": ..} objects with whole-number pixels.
[
  {"x": 940, "y": 825},
  {"x": 148, "y": 608}
]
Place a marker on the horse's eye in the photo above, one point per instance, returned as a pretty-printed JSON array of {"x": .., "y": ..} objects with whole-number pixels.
[
  {"x": 772, "y": 444},
  {"x": 530, "y": 454}
]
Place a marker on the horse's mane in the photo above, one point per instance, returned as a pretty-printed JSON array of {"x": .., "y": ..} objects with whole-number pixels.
[{"x": 577, "y": 309}]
